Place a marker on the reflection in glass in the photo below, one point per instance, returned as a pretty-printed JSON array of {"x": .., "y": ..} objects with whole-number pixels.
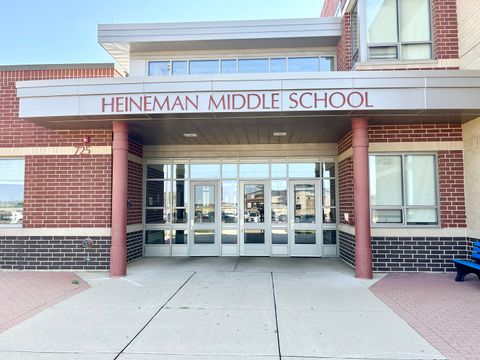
[
  {"x": 304, "y": 203},
  {"x": 254, "y": 237},
  {"x": 326, "y": 63},
  {"x": 305, "y": 237},
  {"x": 198, "y": 67},
  {"x": 157, "y": 216},
  {"x": 160, "y": 171},
  {"x": 329, "y": 215},
  {"x": 279, "y": 202},
  {"x": 422, "y": 216},
  {"x": 279, "y": 236},
  {"x": 12, "y": 174},
  {"x": 229, "y": 202},
  {"x": 253, "y": 171},
  {"x": 180, "y": 194},
  {"x": 179, "y": 216},
  {"x": 204, "y": 236},
  {"x": 382, "y": 21},
  {"x": 328, "y": 192},
  {"x": 205, "y": 171},
  {"x": 229, "y": 171},
  {"x": 385, "y": 180},
  {"x": 158, "y": 68},
  {"x": 155, "y": 194},
  {"x": 304, "y": 170},
  {"x": 328, "y": 169},
  {"x": 179, "y": 236},
  {"x": 387, "y": 216},
  {"x": 204, "y": 203},
  {"x": 278, "y": 65},
  {"x": 279, "y": 170},
  {"x": 329, "y": 237},
  {"x": 252, "y": 65},
  {"x": 303, "y": 64},
  {"x": 254, "y": 205},
  {"x": 180, "y": 171},
  {"x": 229, "y": 236},
  {"x": 179, "y": 68},
  {"x": 157, "y": 237},
  {"x": 229, "y": 66}
]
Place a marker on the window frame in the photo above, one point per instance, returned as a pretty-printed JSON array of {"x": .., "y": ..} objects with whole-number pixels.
[
  {"x": 23, "y": 207},
  {"x": 398, "y": 45},
  {"x": 404, "y": 207}
]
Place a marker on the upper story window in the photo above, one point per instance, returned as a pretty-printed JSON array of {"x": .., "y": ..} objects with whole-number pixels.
[
  {"x": 12, "y": 173},
  {"x": 398, "y": 29},
  {"x": 241, "y": 66}
]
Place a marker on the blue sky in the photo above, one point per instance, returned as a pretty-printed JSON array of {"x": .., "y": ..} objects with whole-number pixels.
[{"x": 64, "y": 31}]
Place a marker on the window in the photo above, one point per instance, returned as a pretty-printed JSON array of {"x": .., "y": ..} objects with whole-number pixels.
[
  {"x": 403, "y": 189},
  {"x": 12, "y": 174},
  {"x": 399, "y": 29},
  {"x": 241, "y": 66}
]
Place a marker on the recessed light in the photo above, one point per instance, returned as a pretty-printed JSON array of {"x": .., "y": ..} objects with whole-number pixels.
[
  {"x": 190, "y": 135},
  {"x": 279, "y": 133}
]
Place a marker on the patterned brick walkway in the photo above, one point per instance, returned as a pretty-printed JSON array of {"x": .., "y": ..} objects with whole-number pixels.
[
  {"x": 24, "y": 294},
  {"x": 444, "y": 312}
]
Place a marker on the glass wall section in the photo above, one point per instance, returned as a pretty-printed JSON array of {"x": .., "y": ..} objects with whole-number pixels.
[
  {"x": 242, "y": 66},
  {"x": 403, "y": 189},
  {"x": 303, "y": 189},
  {"x": 399, "y": 29}
]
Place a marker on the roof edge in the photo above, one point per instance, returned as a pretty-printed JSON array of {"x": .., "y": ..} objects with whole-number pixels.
[{"x": 58, "y": 66}]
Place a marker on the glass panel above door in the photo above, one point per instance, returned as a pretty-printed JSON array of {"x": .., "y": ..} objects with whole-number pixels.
[
  {"x": 254, "y": 206},
  {"x": 304, "y": 195},
  {"x": 204, "y": 203}
]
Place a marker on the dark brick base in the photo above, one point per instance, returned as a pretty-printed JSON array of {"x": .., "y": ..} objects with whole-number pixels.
[
  {"x": 134, "y": 245},
  {"x": 417, "y": 253},
  {"x": 53, "y": 252},
  {"x": 347, "y": 247}
]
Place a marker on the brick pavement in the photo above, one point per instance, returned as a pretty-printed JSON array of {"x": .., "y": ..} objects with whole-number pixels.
[
  {"x": 24, "y": 294},
  {"x": 443, "y": 311}
]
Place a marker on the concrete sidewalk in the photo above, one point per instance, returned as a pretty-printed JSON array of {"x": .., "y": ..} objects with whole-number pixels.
[{"x": 220, "y": 308}]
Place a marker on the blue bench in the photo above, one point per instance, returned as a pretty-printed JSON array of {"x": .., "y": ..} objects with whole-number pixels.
[{"x": 465, "y": 267}]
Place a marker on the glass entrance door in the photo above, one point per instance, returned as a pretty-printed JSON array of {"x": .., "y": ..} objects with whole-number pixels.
[
  {"x": 255, "y": 218},
  {"x": 305, "y": 210},
  {"x": 205, "y": 220}
]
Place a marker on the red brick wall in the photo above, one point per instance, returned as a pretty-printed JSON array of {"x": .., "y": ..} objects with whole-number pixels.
[
  {"x": 329, "y": 7},
  {"x": 450, "y": 167},
  {"x": 344, "y": 47},
  {"x": 68, "y": 191},
  {"x": 135, "y": 184},
  {"x": 411, "y": 133},
  {"x": 445, "y": 29},
  {"x": 345, "y": 189},
  {"x": 60, "y": 190},
  {"x": 452, "y": 190}
]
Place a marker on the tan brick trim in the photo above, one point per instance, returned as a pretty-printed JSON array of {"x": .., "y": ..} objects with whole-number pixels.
[
  {"x": 136, "y": 159},
  {"x": 345, "y": 155},
  {"x": 15, "y": 231},
  {"x": 53, "y": 150}
]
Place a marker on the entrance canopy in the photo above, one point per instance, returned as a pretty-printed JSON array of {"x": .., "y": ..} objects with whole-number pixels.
[{"x": 249, "y": 108}]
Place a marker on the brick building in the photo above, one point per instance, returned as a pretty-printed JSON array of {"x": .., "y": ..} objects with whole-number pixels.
[{"x": 352, "y": 135}]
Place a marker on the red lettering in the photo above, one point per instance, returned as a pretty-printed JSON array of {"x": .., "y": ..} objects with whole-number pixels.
[
  {"x": 188, "y": 101},
  {"x": 212, "y": 105},
  {"x": 178, "y": 102},
  {"x": 161, "y": 105},
  {"x": 359, "y": 100},
  {"x": 367, "y": 104},
  {"x": 293, "y": 99},
  {"x": 237, "y": 106},
  {"x": 147, "y": 103},
  {"x": 138, "y": 104},
  {"x": 104, "y": 104},
  {"x": 331, "y": 102},
  {"x": 318, "y": 99},
  {"x": 119, "y": 101},
  {"x": 301, "y": 100},
  {"x": 276, "y": 101},
  {"x": 251, "y": 98}
]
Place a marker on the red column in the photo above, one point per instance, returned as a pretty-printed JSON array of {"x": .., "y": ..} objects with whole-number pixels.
[
  {"x": 118, "y": 250},
  {"x": 363, "y": 246}
]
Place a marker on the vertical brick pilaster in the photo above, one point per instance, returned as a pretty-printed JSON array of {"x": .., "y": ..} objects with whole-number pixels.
[{"x": 445, "y": 29}]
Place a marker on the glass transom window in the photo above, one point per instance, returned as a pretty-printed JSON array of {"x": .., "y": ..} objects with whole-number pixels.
[{"x": 12, "y": 174}]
